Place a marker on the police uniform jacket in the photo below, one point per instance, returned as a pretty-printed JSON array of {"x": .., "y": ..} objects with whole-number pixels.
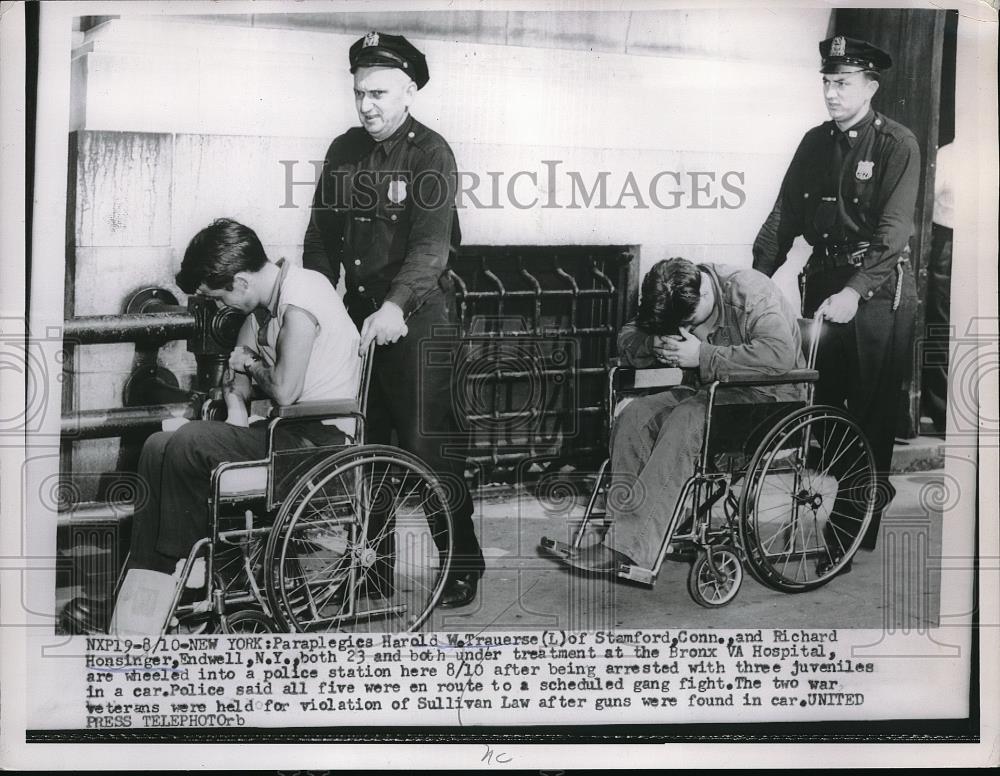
[
  {"x": 753, "y": 328},
  {"x": 385, "y": 211},
  {"x": 844, "y": 189}
]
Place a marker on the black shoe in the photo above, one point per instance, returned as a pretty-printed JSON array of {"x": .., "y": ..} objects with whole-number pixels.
[
  {"x": 84, "y": 617},
  {"x": 460, "y": 589},
  {"x": 599, "y": 559}
]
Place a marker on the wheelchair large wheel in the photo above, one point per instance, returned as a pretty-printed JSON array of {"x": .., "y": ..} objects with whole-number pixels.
[
  {"x": 808, "y": 498},
  {"x": 361, "y": 544},
  {"x": 247, "y": 621}
]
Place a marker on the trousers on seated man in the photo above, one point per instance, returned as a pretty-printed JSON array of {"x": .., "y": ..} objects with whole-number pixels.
[
  {"x": 296, "y": 344},
  {"x": 710, "y": 320}
]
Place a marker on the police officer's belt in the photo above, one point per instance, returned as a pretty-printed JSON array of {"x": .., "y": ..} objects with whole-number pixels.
[{"x": 828, "y": 257}]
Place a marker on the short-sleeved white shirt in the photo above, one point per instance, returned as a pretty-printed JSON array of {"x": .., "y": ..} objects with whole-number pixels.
[{"x": 334, "y": 368}]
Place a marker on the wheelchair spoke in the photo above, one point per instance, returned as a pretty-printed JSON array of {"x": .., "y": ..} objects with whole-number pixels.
[
  {"x": 841, "y": 448},
  {"x": 840, "y": 454},
  {"x": 383, "y": 572},
  {"x": 799, "y": 512}
]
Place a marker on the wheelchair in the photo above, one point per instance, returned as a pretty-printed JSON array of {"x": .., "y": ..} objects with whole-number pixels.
[
  {"x": 319, "y": 538},
  {"x": 796, "y": 482}
]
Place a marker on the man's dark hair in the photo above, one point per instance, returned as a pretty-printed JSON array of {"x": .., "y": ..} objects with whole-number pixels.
[
  {"x": 217, "y": 253},
  {"x": 671, "y": 291}
]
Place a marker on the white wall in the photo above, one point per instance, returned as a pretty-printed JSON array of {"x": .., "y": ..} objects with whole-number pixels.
[
  {"x": 503, "y": 107},
  {"x": 185, "y": 121}
]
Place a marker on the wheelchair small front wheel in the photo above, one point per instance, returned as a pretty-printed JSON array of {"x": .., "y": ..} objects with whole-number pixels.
[{"x": 716, "y": 583}]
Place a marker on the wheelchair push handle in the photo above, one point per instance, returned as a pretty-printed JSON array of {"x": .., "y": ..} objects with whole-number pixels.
[{"x": 814, "y": 331}]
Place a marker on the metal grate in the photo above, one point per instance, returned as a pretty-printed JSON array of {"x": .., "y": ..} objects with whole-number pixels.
[{"x": 537, "y": 328}]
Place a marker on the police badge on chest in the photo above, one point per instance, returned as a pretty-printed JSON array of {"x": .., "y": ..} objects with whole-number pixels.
[
  {"x": 397, "y": 191},
  {"x": 864, "y": 171}
]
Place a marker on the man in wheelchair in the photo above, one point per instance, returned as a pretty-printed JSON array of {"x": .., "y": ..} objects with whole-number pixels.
[
  {"x": 710, "y": 320},
  {"x": 296, "y": 344}
]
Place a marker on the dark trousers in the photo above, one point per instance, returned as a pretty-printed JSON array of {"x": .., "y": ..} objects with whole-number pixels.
[
  {"x": 415, "y": 401},
  {"x": 864, "y": 365},
  {"x": 937, "y": 317},
  {"x": 176, "y": 468}
]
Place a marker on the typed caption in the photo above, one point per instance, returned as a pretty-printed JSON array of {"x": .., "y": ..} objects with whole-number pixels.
[{"x": 461, "y": 679}]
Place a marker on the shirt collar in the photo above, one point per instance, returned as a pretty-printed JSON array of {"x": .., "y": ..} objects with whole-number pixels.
[
  {"x": 390, "y": 142},
  {"x": 702, "y": 330},
  {"x": 854, "y": 133},
  {"x": 275, "y": 298}
]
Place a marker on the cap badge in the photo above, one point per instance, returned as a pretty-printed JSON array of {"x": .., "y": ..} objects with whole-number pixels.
[
  {"x": 864, "y": 171},
  {"x": 397, "y": 191},
  {"x": 837, "y": 49},
  {"x": 371, "y": 39}
]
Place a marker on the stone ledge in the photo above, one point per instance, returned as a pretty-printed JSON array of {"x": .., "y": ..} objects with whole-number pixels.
[{"x": 921, "y": 454}]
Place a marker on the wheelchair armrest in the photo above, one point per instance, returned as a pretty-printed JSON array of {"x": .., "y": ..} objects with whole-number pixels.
[
  {"x": 317, "y": 409},
  {"x": 756, "y": 378},
  {"x": 629, "y": 378}
]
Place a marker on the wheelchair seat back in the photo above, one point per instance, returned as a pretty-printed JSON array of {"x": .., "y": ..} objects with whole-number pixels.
[
  {"x": 738, "y": 429},
  {"x": 289, "y": 463}
]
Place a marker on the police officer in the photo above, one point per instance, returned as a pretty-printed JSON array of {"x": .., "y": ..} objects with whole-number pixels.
[
  {"x": 384, "y": 210},
  {"x": 851, "y": 190}
]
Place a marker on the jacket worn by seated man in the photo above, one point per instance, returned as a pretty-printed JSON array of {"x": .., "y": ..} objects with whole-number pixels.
[{"x": 656, "y": 439}]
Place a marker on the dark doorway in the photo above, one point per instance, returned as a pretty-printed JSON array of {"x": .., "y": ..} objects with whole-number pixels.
[
  {"x": 911, "y": 93},
  {"x": 935, "y": 335}
]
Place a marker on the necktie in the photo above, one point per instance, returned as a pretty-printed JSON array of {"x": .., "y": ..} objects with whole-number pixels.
[
  {"x": 830, "y": 222},
  {"x": 837, "y": 163}
]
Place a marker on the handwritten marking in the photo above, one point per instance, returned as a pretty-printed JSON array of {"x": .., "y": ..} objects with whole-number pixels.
[{"x": 500, "y": 758}]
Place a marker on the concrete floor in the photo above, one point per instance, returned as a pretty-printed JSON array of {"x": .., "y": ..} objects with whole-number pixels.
[{"x": 523, "y": 589}]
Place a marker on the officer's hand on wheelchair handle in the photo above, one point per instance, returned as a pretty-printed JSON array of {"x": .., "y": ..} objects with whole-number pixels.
[
  {"x": 840, "y": 307},
  {"x": 680, "y": 350},
  {"x": 386, "y": 325}
]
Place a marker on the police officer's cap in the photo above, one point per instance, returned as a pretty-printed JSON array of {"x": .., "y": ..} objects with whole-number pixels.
[
  {"x": 842, "y": 54},
  {"x": 376, "y": 49}
]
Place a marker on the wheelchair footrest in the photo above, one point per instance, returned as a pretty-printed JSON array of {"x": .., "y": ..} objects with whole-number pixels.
[
  {"x": 637, "y": 574},
  {"x": 559, "y": 549}
]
